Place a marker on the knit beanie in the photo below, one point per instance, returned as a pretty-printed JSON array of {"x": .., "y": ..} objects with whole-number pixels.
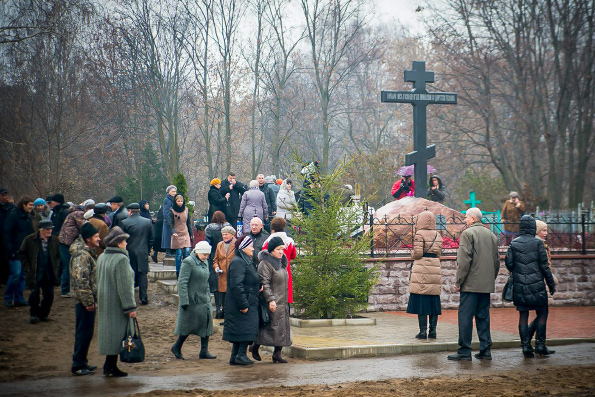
[
  {"x": 274, "y": 243},
  {"x": 88, "y": 230},
  {"x": 38, "y": 201},
  {"x": 215, "y": 181},
  {"x": 202, "y": 247},
  {"x": 540, "y": 226}
]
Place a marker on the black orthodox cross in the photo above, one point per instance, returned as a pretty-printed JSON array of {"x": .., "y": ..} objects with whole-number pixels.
[{"x": 419, "y": 97}]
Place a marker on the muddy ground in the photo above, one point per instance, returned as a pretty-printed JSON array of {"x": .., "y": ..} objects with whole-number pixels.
[{"x": 44, "y": 350}]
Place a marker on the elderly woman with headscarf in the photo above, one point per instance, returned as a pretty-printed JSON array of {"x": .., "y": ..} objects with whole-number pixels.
[
  {"x": 241, "y": 302},
  {"x": 213, "y": 236},
  {"x": 170, "y": 192},
  {"x": 195, "y": 313},
  {"x": 224, "y": 253},
  {"x": 115, "y": 299},
  {"x": 216, "y": 201},
  {"x": 274, "y": 278},
  {"x": 253, "y": 204},
  {"x": 178, "y": 221}
]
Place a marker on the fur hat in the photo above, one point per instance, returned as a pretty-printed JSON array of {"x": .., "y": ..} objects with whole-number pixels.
[
  {"x": 513, "y": 194},
  {"x": 89, "y": 214},
  {"x": 115, "y": 237},
  {"x": 170, "y": 187},
  {"x": 540, "y": 226},
  {"x": 39, "y": 201},
  {"x": 100, "y": 208},
  {"x": 229, "y": 229},
  {"x": 215, "y": 181},
  {"x": 45, "y": 224},
  {"x": 202, "y": 247},
  {"x": 274, "y": 243},
  {"x": 88, "y": 230}
]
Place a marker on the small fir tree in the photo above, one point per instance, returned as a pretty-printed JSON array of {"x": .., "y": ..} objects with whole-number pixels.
[
  {"x": 180, "y": 183},
  {"x": 329, "y": 276}
]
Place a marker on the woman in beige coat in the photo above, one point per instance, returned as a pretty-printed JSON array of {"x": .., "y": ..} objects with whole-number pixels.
[
  {"x": 224, "y": 253},
  {"x": 426, "y": 278}
]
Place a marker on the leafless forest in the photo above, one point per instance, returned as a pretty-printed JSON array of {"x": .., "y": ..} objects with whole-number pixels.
[{"x": 98, "y": 96}]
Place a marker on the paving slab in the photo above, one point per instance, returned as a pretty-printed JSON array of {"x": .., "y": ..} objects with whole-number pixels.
[
  {"x": 394, "y": 334},
  {"x": 157, "y": 271}
]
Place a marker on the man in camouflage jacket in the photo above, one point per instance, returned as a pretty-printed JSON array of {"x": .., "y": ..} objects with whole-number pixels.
[{"x": 83, "y": 286}]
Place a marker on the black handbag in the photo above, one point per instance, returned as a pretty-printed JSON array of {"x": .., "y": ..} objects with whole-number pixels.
[
  {"x": 133, "y": 349},
  {"x": 507, "y": 290},
  {"x": 264, "y": 318}
]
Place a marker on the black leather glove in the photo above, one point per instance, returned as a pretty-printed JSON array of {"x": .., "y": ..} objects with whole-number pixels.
[
  {"x": 552, "y": 290},
  {"x": 184, "y": 307}
]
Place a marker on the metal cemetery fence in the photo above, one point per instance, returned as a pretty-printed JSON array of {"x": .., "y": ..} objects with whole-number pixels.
[{"x": 394, "y": 237}]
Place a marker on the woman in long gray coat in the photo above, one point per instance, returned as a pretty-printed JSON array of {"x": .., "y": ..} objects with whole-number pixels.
[
  {"x": 272, "y": 271},
  {"x": 115, "y": 299},
  {"x": 253, "y": 204},
  {"x": 195, "y": 313}
]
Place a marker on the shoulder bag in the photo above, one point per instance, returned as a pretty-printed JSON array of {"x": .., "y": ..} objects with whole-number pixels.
[
  {"x": 133, "y": 349},
  {"x": 507, "y": 290}
]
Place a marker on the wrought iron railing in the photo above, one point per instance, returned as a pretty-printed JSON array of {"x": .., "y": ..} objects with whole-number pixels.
[{"x": 394, "y": 236}]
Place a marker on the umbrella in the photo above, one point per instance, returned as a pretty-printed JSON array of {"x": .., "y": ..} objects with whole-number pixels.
[{"x": 408, "y": 170}]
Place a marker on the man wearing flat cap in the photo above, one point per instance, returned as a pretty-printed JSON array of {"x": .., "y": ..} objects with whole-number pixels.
[
  {"x": 119, "y": 212},
  {"x": 40, "y": 258},
  {"x": 139, "y": 246},
  {"x": 83, "y": 286},
  {"x": 511, "y": 215}
]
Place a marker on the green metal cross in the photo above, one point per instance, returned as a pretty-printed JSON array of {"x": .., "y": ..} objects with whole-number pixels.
[{"x": 472, "y": 200}]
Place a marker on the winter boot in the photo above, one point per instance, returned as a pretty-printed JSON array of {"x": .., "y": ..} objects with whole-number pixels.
[
  {"x": 234, "y": 352},
  {"x": 110, "y": 368},
  {"x": 433, "y": 323},
  {"x": 540, "y": 342},
  {"x": 254, "y": 349},
  {"x": 526, "y": 341},
  {"x": 204, "y": 349},
  {"x": 242, "y": 358},
  {"x": 423, "y": 325},
  {"x": 176, "y": 348},
  {"x": 277, "y": 356}
]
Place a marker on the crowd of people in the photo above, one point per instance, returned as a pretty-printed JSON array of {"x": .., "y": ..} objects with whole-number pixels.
[
  {"x": 478, "y": 263},
  {"x": 98, "y": 257}
]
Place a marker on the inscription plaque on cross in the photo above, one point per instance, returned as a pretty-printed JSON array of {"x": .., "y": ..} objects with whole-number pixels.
[{"x": 420, "y": 98}]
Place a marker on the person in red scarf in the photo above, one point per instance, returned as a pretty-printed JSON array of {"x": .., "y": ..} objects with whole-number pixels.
[{"x": 277, "y": 230}]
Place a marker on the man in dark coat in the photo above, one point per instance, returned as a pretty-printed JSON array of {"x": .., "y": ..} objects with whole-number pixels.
[
  {"x": 270, "y": 198},
  {"x": 119, "y": 212},
  {"x": 139, "y": 245},
  {"x": 17, "y": 226},
  {"x": 40, "y": 258},
  {"x": 235, "y": 190},
  {"x": 258, "y": 236},
  {"x": 478, "y": 262},
  {"x": 59, "y": 212},
  {"x": 5, "y": 208}
]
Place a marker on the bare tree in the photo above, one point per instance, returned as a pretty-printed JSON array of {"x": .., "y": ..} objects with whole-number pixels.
[
  {"x": 227, "y": 16},
  {"x": 332, "y": 29},
  {"x": 523, "y": 68}
]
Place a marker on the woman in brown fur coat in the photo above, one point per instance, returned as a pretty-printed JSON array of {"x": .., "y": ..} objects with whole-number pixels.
[{"x": 426, "y": 278}]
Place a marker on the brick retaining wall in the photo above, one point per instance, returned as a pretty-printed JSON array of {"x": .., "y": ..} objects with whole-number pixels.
[{"x": 575, "y": 273}]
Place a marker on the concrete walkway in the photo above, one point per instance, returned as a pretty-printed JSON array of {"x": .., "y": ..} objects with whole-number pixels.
[{"x": 394, "y": 334}]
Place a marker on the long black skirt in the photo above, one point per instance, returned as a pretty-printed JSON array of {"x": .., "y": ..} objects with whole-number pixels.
[{"x": 424, "y": 304}]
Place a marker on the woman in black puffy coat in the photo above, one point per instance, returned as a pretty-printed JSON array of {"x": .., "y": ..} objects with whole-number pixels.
[{"x": 527, "y": 261}]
